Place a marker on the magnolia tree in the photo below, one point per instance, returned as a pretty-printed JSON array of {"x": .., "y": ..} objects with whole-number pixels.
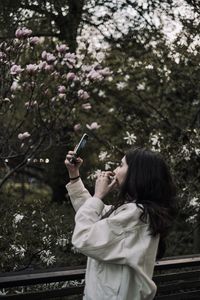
[{"x": 44, "y": 94}]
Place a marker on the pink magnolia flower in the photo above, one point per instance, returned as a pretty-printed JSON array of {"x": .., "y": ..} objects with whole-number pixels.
[
  {"x": 62, "y": 48},
  {"x": 15, "y": 70},
  {"x": 71, "y": 76},
  {"x": 93, "y": 126},
  {"x": 32, "y": 68},
  {"x": 43, "y": 65},
  {"x": 70, "y": 58},
  {"x": 44, "y": 54},
  {"x": 22, "y": 33},
  {"x": 2, "y": 55},
  {"x": 15, "y": 86},
  {"x": 50, "y": 57},
  {"x": 77, "y": 127},
  {"x": 83, "y": 95},
  {"x": 105, "y": 72},
  {"x": 86, "y": 106},
  {"x": 94, "y": 75},
  {"x": 22, "y": 136},
  {"x": 62, "y": 89},
  {"x": 48, "y": 67},
  {"x": 34, "y": 40},
  {"x": 62, "y": 96}
]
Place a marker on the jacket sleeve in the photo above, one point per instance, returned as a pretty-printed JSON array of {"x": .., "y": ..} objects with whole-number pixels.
[
  {"x": 101, "y": 239},
  {"x": 78, "y": 193}
]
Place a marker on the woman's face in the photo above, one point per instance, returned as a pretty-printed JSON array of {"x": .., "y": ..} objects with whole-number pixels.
[{"x": 121, "y": 171}]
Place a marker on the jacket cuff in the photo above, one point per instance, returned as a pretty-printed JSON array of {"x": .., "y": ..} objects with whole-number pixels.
[{"x": 72, "y": 187}]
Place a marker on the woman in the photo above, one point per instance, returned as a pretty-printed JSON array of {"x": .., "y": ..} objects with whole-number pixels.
[{"x": 121, "y": 241}]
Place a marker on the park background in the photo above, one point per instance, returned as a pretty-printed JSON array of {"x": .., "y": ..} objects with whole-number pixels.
[{"x": 125, "y": 72}]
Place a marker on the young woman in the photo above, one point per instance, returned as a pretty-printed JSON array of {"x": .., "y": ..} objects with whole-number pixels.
[{"x": 122, "y": 241}]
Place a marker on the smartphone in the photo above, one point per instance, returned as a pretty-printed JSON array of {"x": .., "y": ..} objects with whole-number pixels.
[{"x": 79, "y": 147}]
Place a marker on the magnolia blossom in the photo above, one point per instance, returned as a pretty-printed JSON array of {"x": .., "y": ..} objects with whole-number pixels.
[
  {"x": 105, "y": 71},
  {"x": 86, "y": 106},
  {"x": 15, "y": 70},
  {"x": 47, "y": 257},
  {"x": 154, "y": 139},
  {"x": 83, "y": 95},
  {"x": 49, "y": 57},
  {"x": 130, "y": 138},
  {"x": 70, "y": 59},
  {"x": 62, "y": 241},
  {"x": 93, "y": 126},
  {"x": 186, "y": 152},
  {"x": 22, "y": 136},
  {"x": 103, "y": 155},
  {"x": 44, "y": 54},
  {"x": 71, "y": 76},
  {"x": 62, "y": 89},
  {"x": 77, "y": 127},
  {"x": 95, "y": 174},
  {"x": 2, "y": 56},
  {"x": 19, "y": 250},
  {"x": 109, "y": 165},
  {"x": 15, "y": 86},
  {"x": 121, "y": 85},
  {"x": 94, "y": 75},
  {"x": 194, "y": 202},
  {"x": 18, "y": 218},
  {"x": 62, "y": 48},
  {"x": 22, "y": 33},
  {"x": 34, "y": 40},
  {"x": 31, "y": 68},
  {"x": 62, "y": 96},
  {"x": 141, "y": 86},
  {"x": 197, "y": 151}
]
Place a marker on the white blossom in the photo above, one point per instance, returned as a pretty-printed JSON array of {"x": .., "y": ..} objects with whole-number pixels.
[
  {"x": 186, "y": 153},
  {"x": 62, "y": 241},
  {"x": 141, "y": 86},
  {"x": 103, "y": 155},
  {"x": 47, "y": 257},
  {"x": 197, "y": 151},
  {"x": 18, "y": 218},
  {"x": 22, "y": 136},
  {"x": 194, "y": 202},
  {"x": 130, "y": 138},
  {"x": 93, "y": 126},
  {"x": 121, "y": 85},
  {"x": 94, "y": 175},
  {"x": 108, "y": 165},
  {"x": 19, "y": 250}
]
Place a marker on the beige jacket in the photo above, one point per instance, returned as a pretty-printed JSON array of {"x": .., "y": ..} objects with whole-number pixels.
[{"x": 121, "y": 253}]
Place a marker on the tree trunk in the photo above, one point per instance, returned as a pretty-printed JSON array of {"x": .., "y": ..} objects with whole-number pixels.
[{"x": 68, "y": 25}]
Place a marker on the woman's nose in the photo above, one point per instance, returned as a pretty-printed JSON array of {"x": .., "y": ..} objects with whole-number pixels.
[{"x": 114, "y": 171}]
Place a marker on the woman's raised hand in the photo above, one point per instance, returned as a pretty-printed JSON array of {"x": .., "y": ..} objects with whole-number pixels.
[{"x": 73, "y": 168}]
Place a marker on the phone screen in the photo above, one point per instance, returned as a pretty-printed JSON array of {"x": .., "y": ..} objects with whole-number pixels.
[
  {"x": 79, "y": 147},
  {"x": 81, "y": 144}
]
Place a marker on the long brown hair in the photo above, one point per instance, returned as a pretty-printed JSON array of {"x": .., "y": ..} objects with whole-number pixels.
[{"x": 149, "y": 184}]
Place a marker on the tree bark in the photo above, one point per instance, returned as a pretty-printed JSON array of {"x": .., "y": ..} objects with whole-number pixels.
[{"x": 69, "y": 25}]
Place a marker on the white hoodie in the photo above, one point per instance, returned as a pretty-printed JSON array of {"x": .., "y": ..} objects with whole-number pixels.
[{"x": 121, "y": 253}]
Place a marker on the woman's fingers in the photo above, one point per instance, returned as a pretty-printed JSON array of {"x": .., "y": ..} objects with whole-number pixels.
[{"x": 70, "y": 155}]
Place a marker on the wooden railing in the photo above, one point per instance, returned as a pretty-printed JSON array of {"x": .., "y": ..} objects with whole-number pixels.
[{"x": 176, "y": 278}]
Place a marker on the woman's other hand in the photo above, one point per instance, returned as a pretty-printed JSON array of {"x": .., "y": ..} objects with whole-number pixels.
[{"x": 104, "y": 184}]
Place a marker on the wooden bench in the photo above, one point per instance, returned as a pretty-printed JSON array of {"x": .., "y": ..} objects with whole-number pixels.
[{"x": 176, "y": 278}]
